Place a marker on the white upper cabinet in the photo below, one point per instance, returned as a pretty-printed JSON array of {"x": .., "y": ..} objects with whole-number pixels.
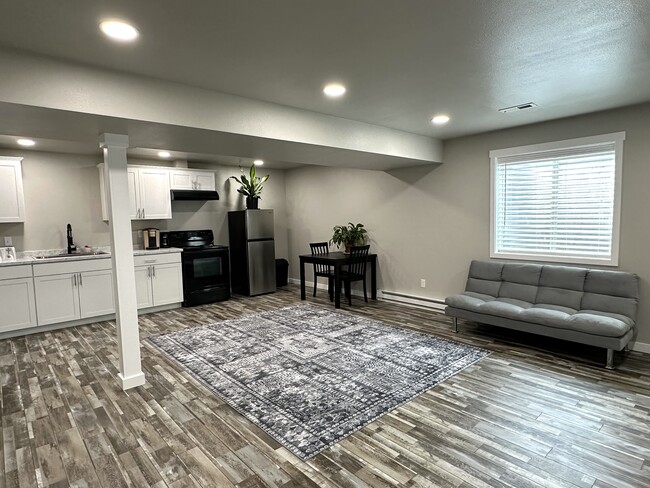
[
  {"x": 155, "y": 199},
  {"x": 12, "y": 198},
  {"x": 191, "y": 179},
  {"x": 149, "y": 196}
]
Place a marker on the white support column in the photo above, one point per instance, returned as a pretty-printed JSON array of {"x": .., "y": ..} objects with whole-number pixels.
[{"x": 117, "y": 193}]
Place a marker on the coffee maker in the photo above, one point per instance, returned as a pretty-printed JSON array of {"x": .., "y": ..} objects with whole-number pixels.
[{"x": 151, "y": 239}]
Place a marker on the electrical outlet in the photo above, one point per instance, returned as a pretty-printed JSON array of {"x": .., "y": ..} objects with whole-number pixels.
[
  {"x": 9, "y": 241},
  {"x": 423, "y": 283}
]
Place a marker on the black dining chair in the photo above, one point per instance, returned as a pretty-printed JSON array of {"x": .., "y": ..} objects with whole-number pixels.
[
  {"x": 356, "y": 270},
  {"x": 322, "y": 269}
]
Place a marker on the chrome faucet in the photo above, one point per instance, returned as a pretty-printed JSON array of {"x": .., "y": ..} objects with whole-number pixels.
[{"x": 71, "y": 247}]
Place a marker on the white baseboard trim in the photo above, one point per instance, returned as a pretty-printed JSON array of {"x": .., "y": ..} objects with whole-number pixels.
[
  {"x": 640, "y": 347},
  {"x": 131, "y": 381}
]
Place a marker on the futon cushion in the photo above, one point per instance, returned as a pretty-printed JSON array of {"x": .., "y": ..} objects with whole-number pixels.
[
  {"x": 527, "y": 293},
  {"x": 559, "y": 296},
  {"x": 526, "y": 274},
  {"x": 484, "y": 277},
  {"x": 485, "y": 270},
  {"x": 598, "y": 324},
  {"x": 468, "y": 301},
  {"x": 564, "y": 277},
  {"x": 546, "y": 316},
  {"x": 612, "y": 283},
  {"x": 505, "y": 307},
  {"x": 485, "y": 287},
  {"x": 609, "y": 304}
]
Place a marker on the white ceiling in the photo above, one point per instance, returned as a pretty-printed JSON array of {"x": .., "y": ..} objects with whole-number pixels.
[{"x": 402, "y": 61}]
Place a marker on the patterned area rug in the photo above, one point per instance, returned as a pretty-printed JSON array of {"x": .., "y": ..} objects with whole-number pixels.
[{"x": 311, "y": 376}]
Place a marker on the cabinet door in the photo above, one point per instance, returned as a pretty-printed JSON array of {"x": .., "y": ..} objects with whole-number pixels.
[
  {"x": 204, "y": 181},
  {"x": 96, "y": 293},
  {"x": 57, "y": 298},
  {"x": 167, "y": 284},
  {"x": 155, "y": 199},
  {"x": 180, "y": 179},
  {"x": 12, "y": 199},
  {"x": 132, "y": 181},
  {"x": 17, "y": 304},
  {"x": 143, "y": 289},
  {"x": 134, "y": 193}
]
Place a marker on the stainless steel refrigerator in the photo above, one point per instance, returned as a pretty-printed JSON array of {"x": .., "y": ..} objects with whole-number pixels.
[{"x": 252, "y": 251}]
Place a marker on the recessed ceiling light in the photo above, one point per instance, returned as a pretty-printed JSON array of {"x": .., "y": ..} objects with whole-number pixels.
[
  {"x": 120, "y": 31},
  {"x": 26, "y": 142},
  {"x": 258, "y": 162},
  {"x": 164, "y": 154},
  {"x": 440, "y": 119},
  {"x": 334, "y": 90}
]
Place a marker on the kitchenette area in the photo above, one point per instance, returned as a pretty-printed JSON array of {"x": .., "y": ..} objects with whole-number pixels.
[{"x": 56, "y": 267}]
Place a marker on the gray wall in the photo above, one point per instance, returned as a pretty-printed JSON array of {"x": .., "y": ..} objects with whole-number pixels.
[
  {"x": 64, "y": 188},
  {"x": 431, "y": 223}
]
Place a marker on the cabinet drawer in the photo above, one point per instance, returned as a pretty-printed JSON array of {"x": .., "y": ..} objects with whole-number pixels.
[
  {"x": 147, "y": 260},
  {"x": 93, "y": 264},
  {"x": 18, "y": 271}
]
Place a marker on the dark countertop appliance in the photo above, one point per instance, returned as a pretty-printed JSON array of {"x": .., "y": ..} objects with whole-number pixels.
[
  {"x": 252, "y": 251},
  {"x": 206, "y": 266}
]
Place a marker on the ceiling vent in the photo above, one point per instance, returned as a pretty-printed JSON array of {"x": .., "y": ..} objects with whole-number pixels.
[{"x": 518, "y": 108}]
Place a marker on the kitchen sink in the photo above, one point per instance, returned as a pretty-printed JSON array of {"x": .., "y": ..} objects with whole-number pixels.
[{"x": 74, "y": 255}]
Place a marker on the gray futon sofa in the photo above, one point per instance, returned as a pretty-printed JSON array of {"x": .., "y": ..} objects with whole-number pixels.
[{"x": 590, "y": 306}]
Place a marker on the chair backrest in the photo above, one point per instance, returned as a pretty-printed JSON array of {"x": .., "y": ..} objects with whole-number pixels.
[
  {"x": 358, "y": 259},
  {"x": 320, "y": 248}
]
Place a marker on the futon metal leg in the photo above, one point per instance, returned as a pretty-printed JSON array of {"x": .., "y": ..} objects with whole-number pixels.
[
  {"x": 610, "y": 359},
  {"x": 456, "y": 324}
]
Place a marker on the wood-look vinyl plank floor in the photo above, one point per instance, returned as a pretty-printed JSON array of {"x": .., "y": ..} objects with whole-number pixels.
[{"x": 535, "y": 413}]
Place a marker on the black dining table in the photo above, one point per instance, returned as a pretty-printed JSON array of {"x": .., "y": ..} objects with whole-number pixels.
[{"x": 336, "y": 260}]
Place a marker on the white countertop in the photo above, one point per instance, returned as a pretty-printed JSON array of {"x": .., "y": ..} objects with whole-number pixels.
[{"x": 34, "y": 257}]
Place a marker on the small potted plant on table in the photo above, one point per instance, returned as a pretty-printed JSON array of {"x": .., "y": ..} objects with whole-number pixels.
[
  {"x": 251, "y": 187},
  {"x": 349, "y": 235}
]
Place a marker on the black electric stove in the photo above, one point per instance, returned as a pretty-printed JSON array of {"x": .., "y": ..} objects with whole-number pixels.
[{"x": 206, "y": 266}]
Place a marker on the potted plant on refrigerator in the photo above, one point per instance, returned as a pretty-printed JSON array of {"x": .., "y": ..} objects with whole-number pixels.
[
  {"x": 349, "y": 235},
  {"x": 251, "y": 186}
]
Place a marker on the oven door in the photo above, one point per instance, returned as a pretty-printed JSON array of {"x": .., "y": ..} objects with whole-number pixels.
[{"x": 204, "y": 270}]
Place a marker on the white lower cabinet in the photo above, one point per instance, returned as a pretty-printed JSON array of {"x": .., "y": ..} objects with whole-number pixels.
[
  {"x": 73, "y": 290},
  {"x": 96, "y": 293},
  {"x": 158, "y": 280},
  {"x": 17, "y": 302}
]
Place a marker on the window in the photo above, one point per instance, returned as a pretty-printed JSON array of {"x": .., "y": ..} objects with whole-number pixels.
[{"x": 558, "y": 201}]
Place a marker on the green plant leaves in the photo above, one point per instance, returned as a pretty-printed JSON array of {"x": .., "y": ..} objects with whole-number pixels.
[{"x": 251, "y": 186}]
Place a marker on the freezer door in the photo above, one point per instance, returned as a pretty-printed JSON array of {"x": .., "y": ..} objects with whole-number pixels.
[
  {"x": 261, "y": 267},
  {"x": 259, "y": 224}
]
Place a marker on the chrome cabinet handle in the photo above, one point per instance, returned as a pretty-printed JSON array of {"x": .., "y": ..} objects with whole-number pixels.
[
  {"x": 81, "y": 281},
  {"x": 154, "y": 271},
  {"x": 148, "y": 271},
  {"x": 74, "y": 279}
]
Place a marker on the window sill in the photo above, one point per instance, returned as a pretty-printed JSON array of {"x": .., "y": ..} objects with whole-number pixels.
[{"x": 549, "y": 258}]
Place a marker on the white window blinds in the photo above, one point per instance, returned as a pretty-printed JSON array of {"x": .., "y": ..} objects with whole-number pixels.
[{"x": 557, "y": 203}]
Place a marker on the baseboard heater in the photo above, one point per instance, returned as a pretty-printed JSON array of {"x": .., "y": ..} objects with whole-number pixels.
[{"x": 432, "y": 303}]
